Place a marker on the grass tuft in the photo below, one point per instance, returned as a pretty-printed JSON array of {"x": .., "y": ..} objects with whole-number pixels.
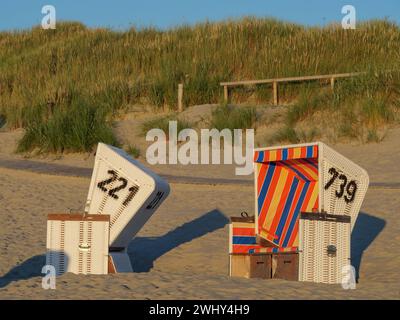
[
  {"x": 229, "y": 117},
  {"x": 163, "y": 124},
  {"x": 133, "y": 151},
  {"x": 78, "y": 128}
]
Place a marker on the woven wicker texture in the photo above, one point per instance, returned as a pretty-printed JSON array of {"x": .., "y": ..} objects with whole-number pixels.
[{"x": 324, "y": 250}]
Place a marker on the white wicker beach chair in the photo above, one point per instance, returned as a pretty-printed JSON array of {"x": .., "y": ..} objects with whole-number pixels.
[
  {"x": 304, "y": 177},
  {"x": 126, "y": 190}
]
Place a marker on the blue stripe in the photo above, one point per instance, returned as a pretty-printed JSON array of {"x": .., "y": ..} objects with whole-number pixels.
[
  {"x": 260, "y": 156},
  {"x": 265, "y": 186},
  {"x": 286, "y": 210},
  {"x": 311, "y": 163},
  {"x": 296, "y": 171},
  {"x": 285, "y": 154},
  {"x": 244, "y": 240},
  {"x": 296, "y": 214},
  {"x": 309, "y": 151}
]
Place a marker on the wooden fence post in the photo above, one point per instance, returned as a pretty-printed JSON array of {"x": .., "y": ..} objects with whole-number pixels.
[
  {"x": 275, "y": 92},
  {"x": 226, "y": 94},
  {"x": 180, "y": 97},
  {"x": 333, "y": 83}
]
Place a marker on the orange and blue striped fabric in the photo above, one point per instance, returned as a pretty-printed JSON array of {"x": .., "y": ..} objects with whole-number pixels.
[
  {"x": 243, "y": 237},
  {"x": 306, "y": 152},
  {"x": 244, "y": 240},
  {"x": 273, "y": 250},
  {"x": 287, "y": 183}
]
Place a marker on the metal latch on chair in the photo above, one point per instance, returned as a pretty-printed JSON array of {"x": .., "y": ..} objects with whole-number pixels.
[{"x": 331, "y": 250}]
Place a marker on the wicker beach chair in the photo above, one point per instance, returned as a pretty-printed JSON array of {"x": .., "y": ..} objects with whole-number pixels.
[
  {"x": 303, "y": 178},
  {"x": 126, "y": 190}
]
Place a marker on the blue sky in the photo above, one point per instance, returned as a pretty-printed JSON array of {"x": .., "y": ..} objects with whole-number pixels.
[{"x": 121, "y": 14}]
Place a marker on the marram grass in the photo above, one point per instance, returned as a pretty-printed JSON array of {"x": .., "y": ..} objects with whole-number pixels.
[{"x": 42, "y": 72}]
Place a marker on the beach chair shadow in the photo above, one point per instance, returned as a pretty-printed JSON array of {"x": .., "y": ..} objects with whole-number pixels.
[
  {"x": 30, "y": 268},
  {"x": 366, "y": 229},
  {"x": 143, "y": 251}
]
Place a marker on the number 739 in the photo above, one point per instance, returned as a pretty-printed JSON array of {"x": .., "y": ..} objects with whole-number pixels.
[{"x": 349, "y": 187}]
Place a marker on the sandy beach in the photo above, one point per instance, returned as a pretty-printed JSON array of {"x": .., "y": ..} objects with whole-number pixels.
[{"x": 182, "y": 252}]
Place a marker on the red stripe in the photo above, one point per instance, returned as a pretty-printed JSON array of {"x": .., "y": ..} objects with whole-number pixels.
[
  {"x": 293, "y": 164},
  {"x": 294, "y": 234},
  {"x": 243, "y": 231},
  {"x": 316, "y": 204},
  {"x": 281, "y": 205},
  {"x": 256, "y": 154},
  {"x": 261, "y": 177},
  {"x": 309, "y": 166},
  {"x": 242, "y": 248},
  {"x": 315, "y": 152},
  {"x": 278, "y": 155},
  {"x": 297, "y": 163},
  {"x": 308, "y": 196},
  {"x": 291, "y": 212},
  {"x": 303, "y": 152},
  {"x": 290, "y": 153},
  {"x": 269, "y": 195},
  {"x": 266, "y": 156}
]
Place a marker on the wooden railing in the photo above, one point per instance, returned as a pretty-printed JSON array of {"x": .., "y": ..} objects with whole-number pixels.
[{"x": 276, "y": 81}]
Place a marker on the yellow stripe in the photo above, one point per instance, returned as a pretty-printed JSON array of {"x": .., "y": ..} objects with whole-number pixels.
[
  {"x": 242, "y": 224},
  {"x": 313, "y": 198},
  {"x": 275, "y": 199},
  {"x": 309, "y": 171},
  {"x": 296, "y": 153},
  {"x": 272, "y": 155},
  {"x": 296, "y": 241},
  {"x": 258, "y": 167},
  {"x": 263, "y": 234}
]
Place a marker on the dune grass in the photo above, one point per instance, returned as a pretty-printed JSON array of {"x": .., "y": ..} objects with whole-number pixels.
[
  {"x": 76, "y": 128},
  {"x": 230, "y": 117},
  {"x": 133, "y": 150},
  {"x": 162, "y": 122},
  {"x": 42, "y": 71}
]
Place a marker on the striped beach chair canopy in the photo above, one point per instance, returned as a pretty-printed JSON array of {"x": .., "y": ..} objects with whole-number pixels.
[
  {"x": 286, "y": 184},
  {"x": 306, "y": 177}
]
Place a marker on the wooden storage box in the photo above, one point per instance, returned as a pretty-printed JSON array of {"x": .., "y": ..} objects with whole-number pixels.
[
  {"x": 285, "y": 266},
  {"x": 250, "y": 265},
  {"x": 266, "y": 266}
]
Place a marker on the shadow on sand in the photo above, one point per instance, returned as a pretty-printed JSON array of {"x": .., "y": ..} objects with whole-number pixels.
[
  {"x": 143, "y": 251},
  {"x": 366, "y": 229},
  {"x": 30, "y": 268}
]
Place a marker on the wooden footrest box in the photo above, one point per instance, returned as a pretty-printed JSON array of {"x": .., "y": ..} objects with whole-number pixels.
[{"x": 250, "y": 265}]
